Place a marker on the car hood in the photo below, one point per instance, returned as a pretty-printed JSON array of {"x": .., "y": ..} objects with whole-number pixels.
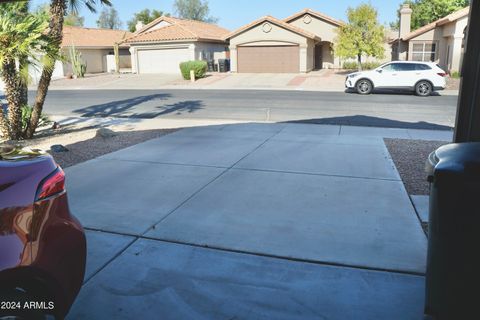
[{"x": 360, "y": 73}]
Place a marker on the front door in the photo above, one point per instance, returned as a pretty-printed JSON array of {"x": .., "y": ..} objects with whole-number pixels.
[{"x": 318, "y": 57}]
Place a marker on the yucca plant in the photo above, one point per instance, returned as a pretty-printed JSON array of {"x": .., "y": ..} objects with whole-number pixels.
[{"x": 27, "y": 114}]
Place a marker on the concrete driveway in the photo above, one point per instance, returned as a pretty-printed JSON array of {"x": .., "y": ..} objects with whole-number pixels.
[{"x": 250, "y": 221}]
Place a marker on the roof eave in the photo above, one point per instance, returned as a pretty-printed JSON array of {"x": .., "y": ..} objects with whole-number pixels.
[
  {"x": 95, "y": 47},
  {"x": 440, "y": 22},
  {"x": 269, "y": 19},
  {"x": 316, "y": 14},
  {"x": 177, "y": 40}
]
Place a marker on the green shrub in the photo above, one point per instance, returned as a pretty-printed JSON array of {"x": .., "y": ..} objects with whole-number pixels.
[
  {"x": 199, "y": 68},
  {"x": 455, "y": 75},
  {"x": 353, "y": 65},
  {"x": 350, "y": 65},
  {"x": 370, "y": 65}
]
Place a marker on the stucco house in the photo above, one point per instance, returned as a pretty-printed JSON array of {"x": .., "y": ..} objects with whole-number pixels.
[
  {"x": 160, "y": 46},
  {"x": 441, "y": 41},
  {"x": 96, "y": 47},
  {"x": 299, "y": 43}
]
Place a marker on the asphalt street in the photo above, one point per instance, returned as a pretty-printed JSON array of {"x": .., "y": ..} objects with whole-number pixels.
[{"x": 381, "y": 109}]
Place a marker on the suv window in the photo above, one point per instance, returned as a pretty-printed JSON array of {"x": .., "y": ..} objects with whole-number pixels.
[
  {"x": 422, "y": 67},
  {"x": 399, "y": 67},
  {"x": 407, "y": 66},
  {"x": 389, "y": 67}
]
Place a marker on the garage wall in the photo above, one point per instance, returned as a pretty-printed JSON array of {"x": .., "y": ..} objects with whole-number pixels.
[
  {"x": 219, "y": 50},
  {"x": 94, "y": 58},
  {"x": 311, "y": 55},
  {"x": 323, "y": 29},
  {"x": 268, "y": 33}
]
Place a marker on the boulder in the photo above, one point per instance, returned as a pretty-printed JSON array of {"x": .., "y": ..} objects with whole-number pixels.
[{"x": 105, "y": 133}]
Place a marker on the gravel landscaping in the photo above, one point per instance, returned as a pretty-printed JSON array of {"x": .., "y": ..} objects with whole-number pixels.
[
  {"x": 86, "y": 144},
  {"x": 410, "y": 157}
]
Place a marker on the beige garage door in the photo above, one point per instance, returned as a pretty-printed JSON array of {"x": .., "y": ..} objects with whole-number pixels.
[
  {"x": 274, "y": 59},
  {"x": 162, "y": 60}
]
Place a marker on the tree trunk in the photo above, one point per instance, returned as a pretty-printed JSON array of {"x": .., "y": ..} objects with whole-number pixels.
[
  {"x": 23, "y": 64},
  {"x": 12, "y": 122},
  {"x": 359, "y": 60},
  {"x": 57, "y": 12}
]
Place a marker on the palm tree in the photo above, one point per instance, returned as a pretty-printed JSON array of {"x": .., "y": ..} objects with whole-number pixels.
[
  {"x": 21, "y": 38},
  {"x": 58, "y": 9}
]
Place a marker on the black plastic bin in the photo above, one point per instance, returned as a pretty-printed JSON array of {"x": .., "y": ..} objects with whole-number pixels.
[
  {"x": 223, "y": 65},
  {"x": 453, "y": 263},
  {"x": 211, "y": 66}
]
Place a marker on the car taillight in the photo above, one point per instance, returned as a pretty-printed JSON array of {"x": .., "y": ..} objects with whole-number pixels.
[
  {"x": 441, "y": 74},
  {"x": 51, "y": 185}
]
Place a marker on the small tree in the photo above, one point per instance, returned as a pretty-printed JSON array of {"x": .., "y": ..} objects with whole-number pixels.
[
  {"x": 109, "y": 19},
  {"x": 145, "y": 16},
  {"x": 363, "y": 35},
  {"x": 74, "y": 20},
  {"x": 427, "y": 11},
  {"x": 194, "y": 10}
]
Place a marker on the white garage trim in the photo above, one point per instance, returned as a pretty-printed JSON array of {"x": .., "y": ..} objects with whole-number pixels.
[{"x": 167, "y": 60}]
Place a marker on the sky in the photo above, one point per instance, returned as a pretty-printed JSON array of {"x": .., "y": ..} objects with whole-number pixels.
[{"x": 234, "y": 14}]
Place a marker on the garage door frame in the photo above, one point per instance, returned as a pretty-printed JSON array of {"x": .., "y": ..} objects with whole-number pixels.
[
  {"x": 292, "y": 53},
  {"x": 188, "y": 47}
]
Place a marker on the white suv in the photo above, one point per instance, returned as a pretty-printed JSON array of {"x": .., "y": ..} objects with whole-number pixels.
[{"x": 421, "y": 77}]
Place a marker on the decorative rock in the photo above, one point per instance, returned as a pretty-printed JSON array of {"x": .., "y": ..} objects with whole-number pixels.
[
  {"x": 58, "y": 148},
  {"x": 105, "y": 133}
]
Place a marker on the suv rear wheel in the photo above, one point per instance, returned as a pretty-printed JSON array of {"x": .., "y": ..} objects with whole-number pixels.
[
  {"x": 423, "y": 89},
  {"x": 364, "y": 86}
]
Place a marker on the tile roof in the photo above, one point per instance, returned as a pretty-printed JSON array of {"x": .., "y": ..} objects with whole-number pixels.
[
  {"x": 315, "y": 14},
  {"x": 89, "y": 37},
  {"x": 440, "y": 22},
  {"x": 275, "y": 21},
  {"x": 179, "y": 29}
]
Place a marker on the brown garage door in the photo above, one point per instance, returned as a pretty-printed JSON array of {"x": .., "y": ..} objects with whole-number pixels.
[{"x": 275, "y": 59}]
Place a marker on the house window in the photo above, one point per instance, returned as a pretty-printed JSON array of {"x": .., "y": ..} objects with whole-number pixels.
[{"x": 424, "y": 52}]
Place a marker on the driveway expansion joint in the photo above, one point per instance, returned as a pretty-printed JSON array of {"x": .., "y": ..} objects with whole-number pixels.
[
  {"x": 315, "y": 174},
  {"x": 206, "y": 185},
  {"x": 257, "y": 254}
]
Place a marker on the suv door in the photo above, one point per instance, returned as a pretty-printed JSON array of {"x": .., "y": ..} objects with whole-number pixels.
[
  {"x": 408, "y": 75},
  {"x": 422, "y": 71},
  {"x": 386, "y": 76}
]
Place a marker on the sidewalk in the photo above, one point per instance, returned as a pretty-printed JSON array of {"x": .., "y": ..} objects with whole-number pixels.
[
  {"x": 322, "y": 80},
  {"x": 119, "y": 124},
  {"x": 262, "y": 221}
]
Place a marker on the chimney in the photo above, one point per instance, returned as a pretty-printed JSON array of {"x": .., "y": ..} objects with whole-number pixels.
[
  {"x": 139, "y": 26},
  {"x": 405, "y": 20}
]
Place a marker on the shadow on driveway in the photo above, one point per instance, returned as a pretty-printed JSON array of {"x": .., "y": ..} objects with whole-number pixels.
[
  {"x": 367, "y": 121},
  {"x": 125, "y": 108},
  {"x": 118, "y": 108}
]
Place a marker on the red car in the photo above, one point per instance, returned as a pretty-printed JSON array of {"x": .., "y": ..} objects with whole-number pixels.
[{"x": 42, "y": 246}]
